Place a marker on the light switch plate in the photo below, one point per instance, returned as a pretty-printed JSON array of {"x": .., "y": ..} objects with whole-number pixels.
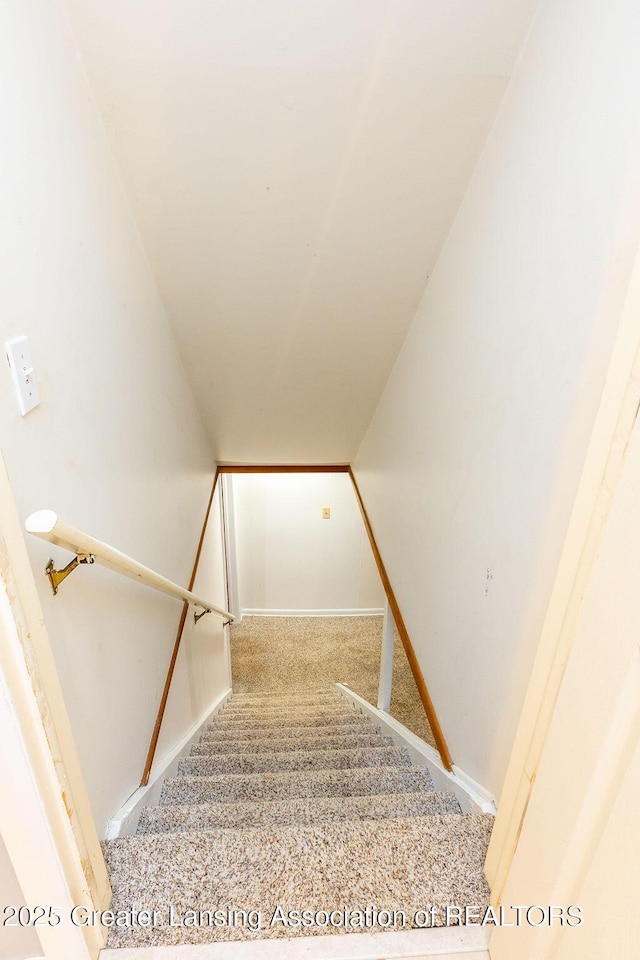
[
  {"x": 23, "y": 374},
  {"x": 326, "y": 513}
]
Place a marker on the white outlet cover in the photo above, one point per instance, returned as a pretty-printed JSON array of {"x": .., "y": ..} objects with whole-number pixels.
[{"x": 22, "y": 372}]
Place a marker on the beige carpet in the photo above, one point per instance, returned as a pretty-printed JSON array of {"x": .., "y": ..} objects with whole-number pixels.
[
  {"x": 273, "y": 654},
  {"x": 245, "y": 845}
]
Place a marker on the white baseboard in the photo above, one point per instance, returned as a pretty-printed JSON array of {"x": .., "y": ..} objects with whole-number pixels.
[
  {"x": 437, "y": 943},
  {"x": 125, "y": 821},
  {"x": 472, "y": 796},
  {"x": 355, "y": 612}
]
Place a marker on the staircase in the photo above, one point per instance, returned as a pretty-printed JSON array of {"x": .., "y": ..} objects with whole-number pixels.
[{"x": 294, "y": 803}]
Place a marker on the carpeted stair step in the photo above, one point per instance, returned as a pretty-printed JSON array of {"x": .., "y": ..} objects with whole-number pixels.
[
  {"x": 405, "y": 864},
  {"x": 208, "y": 748},
  {"x": 294, "y": 760},
  {"x": 206, "y": 816},
  {"x": 236, "y": 732},
  {"x": 324, "y": 690},
  {"x": 286, "y": 720},
  {"x": 273, "y": 712},
  {"x": 300, "y": 710},
  {"x": 339, "y": 715},
  {"x": 289, "y": 703},
  {"x": 233, "y": 787},
  {"x": 294, "y": 801}
]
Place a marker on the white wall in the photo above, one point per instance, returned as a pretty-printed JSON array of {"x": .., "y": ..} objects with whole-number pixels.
[
  {"x": 17, "y": 942},
  {"x": 471, "y": 463},
  {"x": 289, "y": 557},
  {"x": 116, "y": 445}
]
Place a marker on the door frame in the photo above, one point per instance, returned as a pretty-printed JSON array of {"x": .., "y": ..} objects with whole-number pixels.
[
  {"x": 45, "y": 816},
  {"x": 614, "y": 422}
]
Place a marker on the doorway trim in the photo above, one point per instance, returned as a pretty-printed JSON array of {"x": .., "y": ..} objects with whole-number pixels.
[
  {"x": 45, "y": 817},
  {"x": 618, "y": 410}
]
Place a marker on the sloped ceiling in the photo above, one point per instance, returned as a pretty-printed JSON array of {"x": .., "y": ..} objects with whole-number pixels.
[{"x": 293, "y": 166}]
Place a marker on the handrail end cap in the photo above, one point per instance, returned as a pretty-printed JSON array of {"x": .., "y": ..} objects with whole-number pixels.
[{"x": 42, "y": 521}]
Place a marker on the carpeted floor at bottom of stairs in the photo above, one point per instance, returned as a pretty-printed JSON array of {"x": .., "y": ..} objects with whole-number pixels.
[{"x": 335, "y": 831}]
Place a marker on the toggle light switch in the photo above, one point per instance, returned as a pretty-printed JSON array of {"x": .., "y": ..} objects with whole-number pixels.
[
  {"x": 23, "y": 374},
  {"x": 326, "y": 513}
]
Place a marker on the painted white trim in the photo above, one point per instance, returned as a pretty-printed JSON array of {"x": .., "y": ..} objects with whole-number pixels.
[
  {"x": 228, "y": 518},
  {"x": 227, "y": 653},
  {"x": 354, "y": 612},
  {"x": 45, "y": 815},
  {"x": 125, "y": 821},
  {"x": 610, "y": 437},
  {"x": 472, "y": 796},
  {"x": 386, "y": 659},
  {"x": 438, "y": 943},
  {"x": 33, "y": 821}
]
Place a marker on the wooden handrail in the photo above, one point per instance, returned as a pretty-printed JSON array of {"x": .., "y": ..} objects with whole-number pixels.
[
  {"x": 416, "y": 670},
  {"x": 423, "y": 691},
  {"x": 283, "y": 468},
  {"x": 176, "y": 647},
  {"x": 46, "y": 525}
]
